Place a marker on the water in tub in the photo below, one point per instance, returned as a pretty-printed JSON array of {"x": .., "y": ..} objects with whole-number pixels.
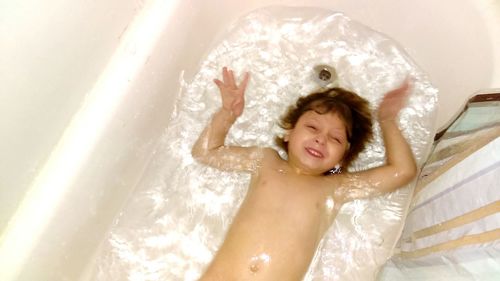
[{"x": 179, "y": 215}]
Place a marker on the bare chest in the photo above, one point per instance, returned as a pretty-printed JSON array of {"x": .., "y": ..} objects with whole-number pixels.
[
  {"x": 299, "y": 202},
  {"x": 277, "y": 228}
]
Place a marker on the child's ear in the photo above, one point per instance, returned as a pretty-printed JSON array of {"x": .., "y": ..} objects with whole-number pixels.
[{"x": 286, "y": 137}]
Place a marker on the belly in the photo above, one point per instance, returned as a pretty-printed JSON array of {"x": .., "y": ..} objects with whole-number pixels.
[
  {"x": 241, "y": 258},
  {"x": 268, "y": 242}
]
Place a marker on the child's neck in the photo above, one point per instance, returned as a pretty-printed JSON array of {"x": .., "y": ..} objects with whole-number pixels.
[{"x": 296, "y": 169}]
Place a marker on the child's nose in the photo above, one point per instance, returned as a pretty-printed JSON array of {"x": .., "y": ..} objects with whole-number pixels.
[{"x": 320, "y": 139}]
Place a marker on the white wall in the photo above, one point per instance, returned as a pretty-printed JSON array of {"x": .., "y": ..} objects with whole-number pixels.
[{"x": 51, "y": 54}]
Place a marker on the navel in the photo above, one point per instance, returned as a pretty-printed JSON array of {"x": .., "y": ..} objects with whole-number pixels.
[{"x": 259, "y": 262}]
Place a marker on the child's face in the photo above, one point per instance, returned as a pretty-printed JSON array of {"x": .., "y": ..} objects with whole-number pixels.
[{"x": 317, "y": 143}]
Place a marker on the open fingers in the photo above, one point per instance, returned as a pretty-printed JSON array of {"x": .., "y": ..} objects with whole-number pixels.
[
  {"x": 406, "y": 84},
  {"x": 228, "y": 78},
  {"x": 229, "y": 81},
  {"x": 219, "y": 83},
  {"x": 244, "y": 83},
  {"x": 232, "y": 83},
  {"x": 225, "y": 75},
  {"x": 401, "y": 91}
]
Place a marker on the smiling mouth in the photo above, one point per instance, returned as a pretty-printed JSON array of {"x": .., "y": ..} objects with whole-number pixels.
[{"x": 313, "y": 152}]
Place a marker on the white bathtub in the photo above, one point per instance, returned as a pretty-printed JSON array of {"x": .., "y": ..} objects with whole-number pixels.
[{"x": 86, "y": 90}]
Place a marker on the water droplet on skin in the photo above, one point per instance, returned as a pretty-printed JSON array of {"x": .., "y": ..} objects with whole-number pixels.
[{"x": 330, "y": 203}]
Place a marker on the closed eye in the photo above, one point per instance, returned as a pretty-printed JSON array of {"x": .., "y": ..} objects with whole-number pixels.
[
  {"x": 335, "y": 139},
  {"x": 312, "y": 127}
]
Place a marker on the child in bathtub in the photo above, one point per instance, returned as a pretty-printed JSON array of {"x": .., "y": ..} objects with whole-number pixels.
[{"x": 291, "y": 203}]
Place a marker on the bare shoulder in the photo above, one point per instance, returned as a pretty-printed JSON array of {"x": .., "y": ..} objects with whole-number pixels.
[
  {"x": 351, "y": 186},
  {"x": 270, "y": 156},
  {"x": 270, "y": 153}
]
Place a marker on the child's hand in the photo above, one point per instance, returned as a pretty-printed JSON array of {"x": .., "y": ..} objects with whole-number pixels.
[
  {"x": 232, "y": 95},
  {"x": 394, "y": 101}
]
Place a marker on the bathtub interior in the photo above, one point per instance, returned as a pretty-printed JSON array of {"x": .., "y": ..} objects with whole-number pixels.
[
  {"x": 178, "y": 217},
  {"x": 67, "y": 236}
]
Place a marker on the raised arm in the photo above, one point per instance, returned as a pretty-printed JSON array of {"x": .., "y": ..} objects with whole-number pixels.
[
  {"x": 210, "y": 148},
  {"x": 400, "y": 167}
]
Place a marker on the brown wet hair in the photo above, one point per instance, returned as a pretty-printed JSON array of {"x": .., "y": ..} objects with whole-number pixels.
[{"x": 351, "y": 108}]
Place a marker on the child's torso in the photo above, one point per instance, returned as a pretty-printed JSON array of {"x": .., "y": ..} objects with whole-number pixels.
[{"x": 277, "y": 229}]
